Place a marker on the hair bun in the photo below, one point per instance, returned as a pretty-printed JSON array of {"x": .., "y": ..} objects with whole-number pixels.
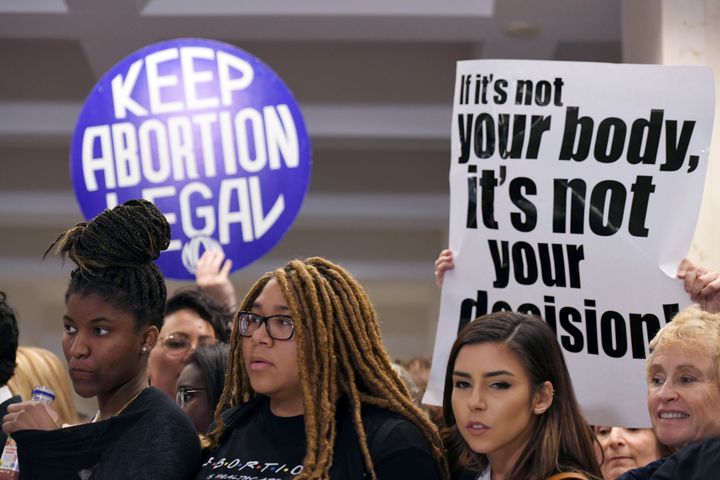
[{"x": 131, "y": 234}]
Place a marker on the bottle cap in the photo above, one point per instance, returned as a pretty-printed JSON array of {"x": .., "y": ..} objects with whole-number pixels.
[{"x": 42, "y": 393}]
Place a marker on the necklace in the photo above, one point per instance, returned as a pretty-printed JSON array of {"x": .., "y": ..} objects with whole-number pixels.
[{"x": 122, "y": 409}]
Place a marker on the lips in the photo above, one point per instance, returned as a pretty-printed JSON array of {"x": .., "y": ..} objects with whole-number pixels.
[
  {"x": 618, "y": 459},
  {"x": 259, "y": 363},
  {"x": 80, "y": 374},
  {"x": 476, "y": 428},
  {"x": 672, "y": 415}
]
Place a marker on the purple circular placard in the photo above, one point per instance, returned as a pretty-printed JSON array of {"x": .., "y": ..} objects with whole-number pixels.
[{"x": 209, "y": 134}]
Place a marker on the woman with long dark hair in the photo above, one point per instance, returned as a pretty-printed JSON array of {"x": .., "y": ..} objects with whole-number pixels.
[{"x": 509, "y": 406}]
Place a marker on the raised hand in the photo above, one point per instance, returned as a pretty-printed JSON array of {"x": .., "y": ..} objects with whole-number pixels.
[
  {"x": 443, "y": 263},
  {"x": 213, "y": 276},
  {"x": 702, "y": 284}
]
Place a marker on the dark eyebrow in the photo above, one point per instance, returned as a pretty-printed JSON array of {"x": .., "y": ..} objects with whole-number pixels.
[
  {"x": 495, "y": 373},
  {"x": 94, "y": 320}
]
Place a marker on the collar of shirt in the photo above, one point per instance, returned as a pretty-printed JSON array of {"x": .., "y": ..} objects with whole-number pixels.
[{"x": 5, "y": 393}]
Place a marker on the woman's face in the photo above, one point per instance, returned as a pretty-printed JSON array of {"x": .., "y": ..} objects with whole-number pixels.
[
  {"x": 625, "y": 449},
  {"x": 683, "y": 396},
  {"x": 493, "y": 402},
  {"x": 181, "y": 333},
  {"x": 101, "y": 345},
  {"x": 272, "y": 364},
  {"x": 191, "y": 386}
]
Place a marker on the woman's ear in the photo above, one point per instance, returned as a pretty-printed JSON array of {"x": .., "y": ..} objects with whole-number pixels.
[
  {"x": 149, "y": 338},
  {"x": 543, "y": 398}
]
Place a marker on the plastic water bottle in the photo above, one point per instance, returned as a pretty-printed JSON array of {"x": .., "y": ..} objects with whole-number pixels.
[{"x": 9, "y": 467}]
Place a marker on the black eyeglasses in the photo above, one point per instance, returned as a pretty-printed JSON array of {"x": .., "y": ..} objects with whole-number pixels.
[
  {"x": 184, "y": 394},
  {"x": 279, "y": 327}
]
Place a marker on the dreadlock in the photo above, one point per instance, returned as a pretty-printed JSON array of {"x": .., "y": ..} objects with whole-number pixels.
[
  {"x": 339, "y": 338},
  {"x": 114, "y": 253}
]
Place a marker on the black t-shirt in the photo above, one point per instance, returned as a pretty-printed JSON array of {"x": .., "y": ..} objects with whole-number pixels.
[
  {"x": 265, "y": 447},
  {"x": 152, "y": 438}
]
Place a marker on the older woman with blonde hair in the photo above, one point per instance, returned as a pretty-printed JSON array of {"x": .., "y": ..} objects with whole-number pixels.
[
  {"x": 683, "y": 372},
  {"x": 37, "y": 366}
]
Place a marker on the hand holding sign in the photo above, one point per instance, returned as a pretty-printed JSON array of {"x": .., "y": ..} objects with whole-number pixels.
[
  {"x": 443, "y": 263},
  {"x": 702, "y": 284}
]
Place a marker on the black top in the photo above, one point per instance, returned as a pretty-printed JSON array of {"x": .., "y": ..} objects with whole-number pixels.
[
  {"x": 697, "y": 461},
  {"x": 644, "y": 472},
  {"x": 262, "y": 446},
  {"x": 152, "y": 438},
  {"x": 3, "y": 410}
]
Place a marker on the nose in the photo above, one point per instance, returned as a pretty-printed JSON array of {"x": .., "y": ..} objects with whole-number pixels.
[
  {"x": 190, "y": 349},
  {"x": 261, "y": 335},
  {"x": 79, "y": 347},
  {"x": 476, "y": 401},
  {"x": 616, "y": 437},
  {"x": 668, "y": 391}
]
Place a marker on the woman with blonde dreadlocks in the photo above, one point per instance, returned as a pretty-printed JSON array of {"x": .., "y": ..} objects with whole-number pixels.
[{"x": 310, "y": 392}]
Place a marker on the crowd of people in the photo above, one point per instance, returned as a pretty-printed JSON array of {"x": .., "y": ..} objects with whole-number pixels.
[{"x": 294, "y": 380}]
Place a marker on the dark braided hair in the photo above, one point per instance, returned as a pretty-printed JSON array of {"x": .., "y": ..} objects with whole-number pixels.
[
  {"x": 340, "y": 354},
  {"x": 114, "y": 253}
]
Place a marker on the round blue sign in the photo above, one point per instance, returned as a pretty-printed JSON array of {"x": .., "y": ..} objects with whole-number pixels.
[{"x": 209, "y": 134}]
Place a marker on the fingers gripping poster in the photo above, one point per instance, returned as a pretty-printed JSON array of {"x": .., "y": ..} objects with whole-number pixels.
[{"x": 575, "y": 190}]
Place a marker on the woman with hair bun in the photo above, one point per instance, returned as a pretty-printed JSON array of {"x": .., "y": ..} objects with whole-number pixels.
[{"x": 114, "y": 306}]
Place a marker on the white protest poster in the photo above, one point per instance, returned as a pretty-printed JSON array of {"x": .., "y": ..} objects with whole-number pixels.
[{"x": 575, "y": 190}]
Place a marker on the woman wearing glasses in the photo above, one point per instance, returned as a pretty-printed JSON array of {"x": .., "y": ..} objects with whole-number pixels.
[
  {"x": 310, "y": 392},
  {"x": 192, "y": 318},
  {"x": 114, "y": 306}
]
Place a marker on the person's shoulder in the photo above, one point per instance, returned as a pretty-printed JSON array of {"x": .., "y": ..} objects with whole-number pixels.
[
  {"x": 153, "y": 400},
  {"x": 159, "y": 411},
  {"x": 643, "y": 473},
  {"x": 389, "y": 432},
  {"x": 382, "y": 422},
  {"x": 696, "y": 461}
]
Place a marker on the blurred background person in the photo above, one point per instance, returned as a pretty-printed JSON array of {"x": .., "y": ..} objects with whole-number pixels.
[
  {"x": 419, "y": 370},
  {"x": 37, "y": 366},
  {"x": 201, "y": 383},
  {"x": 416, "y": 392},
  {"x": 624, "y": 449},
  {"x": 192, "y": 318}
]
